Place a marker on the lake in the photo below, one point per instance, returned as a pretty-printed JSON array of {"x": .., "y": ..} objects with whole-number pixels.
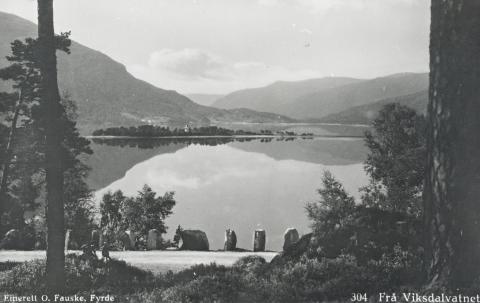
[{"x": 221, "y": 183}]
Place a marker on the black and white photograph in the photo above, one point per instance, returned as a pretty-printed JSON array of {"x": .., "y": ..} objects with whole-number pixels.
[{"x": 244, "y": 151}]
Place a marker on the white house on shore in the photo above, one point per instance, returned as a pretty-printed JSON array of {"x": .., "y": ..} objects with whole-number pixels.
[{"x": 188, "y": 127}]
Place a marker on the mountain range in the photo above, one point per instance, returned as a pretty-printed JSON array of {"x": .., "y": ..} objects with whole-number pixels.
[
  {"x": 364, "y": 114},
  {"x": 274, "y": 97},
  {"x": 108, "y": 95},
  {"x": 320, "y": 98}
]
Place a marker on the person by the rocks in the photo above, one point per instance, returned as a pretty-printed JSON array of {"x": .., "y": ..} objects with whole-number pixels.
[
  {"x": 88, "y": 251},
  {"x": 105, "y": 253}
]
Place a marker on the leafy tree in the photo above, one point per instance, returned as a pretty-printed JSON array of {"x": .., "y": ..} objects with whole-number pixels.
[
  {"x": 79, "y": 208},
  {"x": 16, "y": 184},
  {"x": 139, "y": 214},
  {"x": 110, "y": 206},
  {"x": 396, "y": 160},
  {"x": 23, "y": 152},
  {"x": 329, "y": 215},
  {"x": 24, "y": 155},
  {"x": 389, "y": 209},
  {"x": 153, "y": 211},
  {"x": 16, "y": 106}
]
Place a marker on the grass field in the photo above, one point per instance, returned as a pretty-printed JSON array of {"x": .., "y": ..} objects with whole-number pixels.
[{"x": 155, "y": 261}]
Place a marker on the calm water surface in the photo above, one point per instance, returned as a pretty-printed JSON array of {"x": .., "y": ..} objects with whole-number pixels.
[{"x": 239, "y": 185}]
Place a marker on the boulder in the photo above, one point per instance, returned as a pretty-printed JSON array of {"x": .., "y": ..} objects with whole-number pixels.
[
  {"x": 101, "y": 240},
  {"x": 11, "y": 240},
  {"x": 67, "y": 239},
  {"x": 95, "y": 238},
  {"x": 230, "y": 240},
  {"x": 194, "y": 240},
  {"x": 295, "y": 251},
  {"x": 133, "y": 238},
  {"x": 259, "y": 239},
  {"x": 124, "y": 239},
  {"x": 290, "y": 237},
  {"x": 154, "y": 239}
]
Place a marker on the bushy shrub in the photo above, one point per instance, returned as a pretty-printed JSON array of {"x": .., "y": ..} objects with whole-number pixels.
[
  {"x": 305, "y": 280},
  {"x": 28, "y": 276},
  {"x": 4, "y": 266},
  {"x": 400, "y": 268},
  {"x": 223, "y": 286},
  {"x": 82, "y": 275}
]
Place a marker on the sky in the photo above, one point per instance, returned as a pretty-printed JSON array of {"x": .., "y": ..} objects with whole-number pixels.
[{"x": 218, "y": 46}]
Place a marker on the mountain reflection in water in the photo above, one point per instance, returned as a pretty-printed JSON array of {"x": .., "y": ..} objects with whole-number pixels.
[{"x": 221, "y": 183}]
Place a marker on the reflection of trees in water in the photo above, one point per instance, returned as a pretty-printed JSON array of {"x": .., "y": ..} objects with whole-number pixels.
[{"x": 154, "y": 143}]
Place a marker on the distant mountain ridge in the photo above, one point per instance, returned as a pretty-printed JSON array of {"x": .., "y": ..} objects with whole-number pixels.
[
  {"x": 107, "y": 95},
  {"x": 326, "y": 102},
  {"x": 365, "y": 114},
  {"x": 318, "y": 98},
  {"x": 276, "y": 95}
]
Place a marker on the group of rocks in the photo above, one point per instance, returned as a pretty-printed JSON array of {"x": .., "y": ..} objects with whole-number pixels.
[{"x": 190, "y": 240}]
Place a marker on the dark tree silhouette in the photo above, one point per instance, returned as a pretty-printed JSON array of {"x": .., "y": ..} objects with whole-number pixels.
[
  {"x": 17, "y": 105},
  {"x": 452, "y": 182},
  {"x": 50, "y": 97}
]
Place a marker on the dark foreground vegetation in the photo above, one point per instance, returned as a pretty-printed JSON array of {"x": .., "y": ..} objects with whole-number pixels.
[
  {"x": 151, "y": 131},
  {"x": 251, "y": 279}
]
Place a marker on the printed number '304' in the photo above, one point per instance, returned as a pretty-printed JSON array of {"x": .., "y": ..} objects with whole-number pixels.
[{"x": 359, "y": 297}]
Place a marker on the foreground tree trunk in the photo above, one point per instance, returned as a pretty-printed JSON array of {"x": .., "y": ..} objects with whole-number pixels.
[
  {"x": 452, "y": 184},
  {"x": 50, "y": 98}
]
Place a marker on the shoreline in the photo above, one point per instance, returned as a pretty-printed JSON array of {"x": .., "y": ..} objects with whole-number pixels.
[
  {"x": 296, "y": 123},
  {"x": 222, "y": 137}
]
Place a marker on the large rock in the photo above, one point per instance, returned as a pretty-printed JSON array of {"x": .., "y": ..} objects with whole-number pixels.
[
  {"x": 290, "y": 237},
  {"x": 95, "y": 239},
  {"x": 11, "y": 240},
  {"x": 67, "y": 239},
  {"x": 259, "y": 239},
  {"x": 70, "y": 244},
  {"x": 295, "y": 251},
  {"x": 194, "y": 240},
  {"x": 124, "y": 238},
  {"x": 230, "y": 240},
  {"x": 133, "y": 238},
  {"x": 154, "y": 240},
  {"x": 101, "y": 240}
]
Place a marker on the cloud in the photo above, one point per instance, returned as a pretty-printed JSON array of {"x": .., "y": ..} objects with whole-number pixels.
[
  {"x": 199, "y": 71},
  {"x": 268, "y": 2},
  {"x": 189, "y": 63},
  {"x": 323, "y": 6},
  {"x": 306, "y": 31}
]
